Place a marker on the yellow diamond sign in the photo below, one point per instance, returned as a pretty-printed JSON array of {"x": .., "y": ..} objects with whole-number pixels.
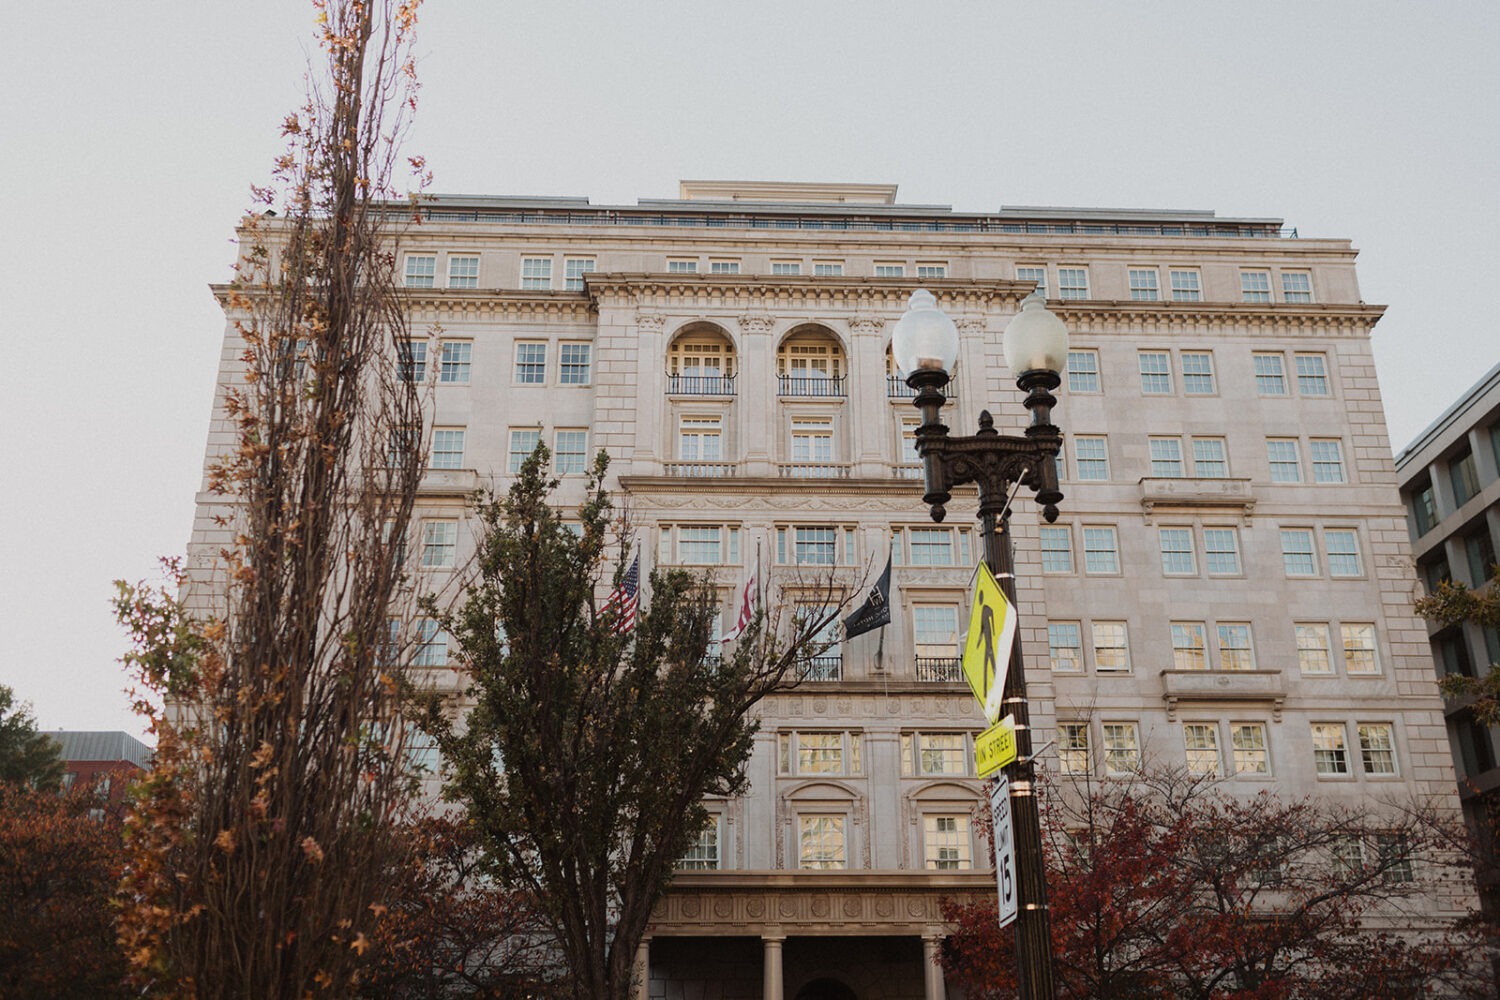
[
  {"x": 992, "y": 632},
  {"x": 995, "y": 747}
]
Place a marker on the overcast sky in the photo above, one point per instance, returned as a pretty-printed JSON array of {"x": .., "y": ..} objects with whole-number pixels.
[{"x": 134, "y": 130}]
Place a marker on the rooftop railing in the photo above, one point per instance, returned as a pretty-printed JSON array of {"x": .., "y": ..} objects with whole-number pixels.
[{"x": 689, "y": 220}]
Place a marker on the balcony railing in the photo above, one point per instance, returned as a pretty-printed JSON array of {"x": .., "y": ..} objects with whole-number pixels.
[
  {"x": 813, "y": 470},
  {"x": 700, "y": 470},
  {"x": 821, "y": 668},
  {"x": 701, "y": 385},
  {"x": 908, "y": 472},
  {"x": 896, "y": 388},
  {"x": 818, "y": 387},
  {"x": 939, "y": 669}
]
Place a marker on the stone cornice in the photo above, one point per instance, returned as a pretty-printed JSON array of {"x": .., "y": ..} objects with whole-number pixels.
[
  {"x": 438, "y": 304},
  {"x": 1102, "y": 316},
  {"x": 783, "y": 902},
  {"x": 750, "y": 292}
]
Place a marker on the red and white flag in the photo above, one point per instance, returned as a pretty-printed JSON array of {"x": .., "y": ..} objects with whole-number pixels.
[
  {"x": 625, "y": 599},
  {"x": 747, "y": 602}
]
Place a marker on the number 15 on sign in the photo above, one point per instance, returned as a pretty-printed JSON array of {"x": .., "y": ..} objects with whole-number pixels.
[{"x": 1005, "y": 850}]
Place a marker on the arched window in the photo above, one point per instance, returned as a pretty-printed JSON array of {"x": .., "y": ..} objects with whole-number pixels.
[
  {"x": 701, "y": 363},
  {"x": 810, "y": 362}
]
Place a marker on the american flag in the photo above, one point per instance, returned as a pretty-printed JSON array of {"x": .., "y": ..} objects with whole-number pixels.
[{"x": 626, "y": 598}]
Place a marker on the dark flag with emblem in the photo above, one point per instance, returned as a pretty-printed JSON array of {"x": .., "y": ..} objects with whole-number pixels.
[{"x": 876, "y": 611}]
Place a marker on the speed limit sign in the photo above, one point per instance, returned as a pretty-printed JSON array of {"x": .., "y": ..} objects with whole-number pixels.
[{"x": 1005, "y": 849}]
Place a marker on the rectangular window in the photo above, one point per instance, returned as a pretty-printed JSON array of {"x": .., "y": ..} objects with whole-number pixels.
[
  {"x": 1083, "y": 371},
  {"x": 573, "y": 363},
  {"x": 1286, "y": 464},
  {"x": 431, "y": 645},
  {"x": 1479, "y": 553},
  {"x": 1234, "y": 648},
  {"x": 403, "y": 446},
  {"x": 1346, "y": 856},
  {"x": 945, "y": 843},
  {"x": 1296, "y": 286},
  {"x": 935, "y": 631},
  {"x": 931, "y": 546},
  {"x": 1143, "y": 285},
  {"x": 1394, "y": 855},
  {"x": 463, "y": 272},
  {"x": 447, "y": 448},
  {"x": 1312, "y": 374},
  {"x": 1297, "y": 556},
  {"x": 1248, "y": 742},
  {"x": 1330, "y": 751},
  {"x": 1255, "y": 286},
  {"x": 1166, "y": 458},
  {"x": 1057, "y": 549},
  {"x": 571, "y": 452},
  {"x": 1377, "y": 747},
  {"x": 1091, "y": 457},
  {"x": 816, "y": 546},
  {"x": 682, "y": 265},
  {"x": 1424, "y": 507},
  {"x": 1314, "y": 648},
  {"x": 803, "y": 752},
  {"x": 1177, "y": 557},
  {"x": 523, "y": 442},
  {"x": 703, "y": 851},
  {"x": 1202, "y": 743},
  {"x": 828, "y": 268},
  {"x": 1198, "y": 373},
  {"x": 456, "y": 362},
  {"x": 929, "y": 754},
  {"x": 1073, "y": 748},
  {"x": 1343, "y": 552},
  {"x": 1187, "y": 286},
  {"x": 699, "y": 439},
  {"x": 1122, "y": 748},
  {"x": 1189, "y": 650},
  {"x": 786, "y": 267},
  {"x": 1464, "y": 476},
  {"x": 1359, "y": 648},
  {"x": 1221, "y": 551},
  {"x": 1036, "y": 274},
  {"x": 1327, "y": 460},
  {"x": 723, "y": 267},
  {"x": 932, "y": 270},
  {"x": 889, "y": 270},
  {"x": 536, "y": 273},
  {"x": 1210, "y": 458},
  {"x": 574, "y": 269},
  {"x": 531, "y": 362},
  {"x": 1270, "y": 374},
  {"x": 1101, "y": 550},
  {"x": 820, "y": 843},
  {"x": 1156, "y": 373},
  {"x": 439, "y": 544},
  {"x": 812, "y": 440},
  {"x": 699, "y": 545},
  {"x": 1111, "y": 647},
  {"x": 411, "y": 356},
  {"x": 421, "y": 271},
  {"x": 1073, "y": 282},
  {"x": 1065, "y": 646}
]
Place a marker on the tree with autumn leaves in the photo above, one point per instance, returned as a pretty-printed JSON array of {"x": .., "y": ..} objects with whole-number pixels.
[
  {"x": 259, "y": 843},
  {"x": 594, "y": 734},
  {"x": 1170, "y": 888}
]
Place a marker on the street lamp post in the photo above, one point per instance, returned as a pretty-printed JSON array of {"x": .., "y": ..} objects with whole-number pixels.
[{"x": 925, "y": 345}]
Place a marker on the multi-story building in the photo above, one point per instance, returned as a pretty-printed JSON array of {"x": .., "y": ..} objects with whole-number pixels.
[
  {"x": 1450, "y": 481},
  {"x": 103, "y": 761},
  {"x": 1227, "y": 588}
]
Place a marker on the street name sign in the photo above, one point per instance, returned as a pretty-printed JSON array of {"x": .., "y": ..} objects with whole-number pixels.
[
  {"x": 995, "y": 747},
  {"x": 992, "y": 632},
  {"x": 1005, "y": 850}
]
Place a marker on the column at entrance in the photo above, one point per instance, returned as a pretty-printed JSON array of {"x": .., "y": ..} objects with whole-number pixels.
[
  {"x": 771, "y": 988},
  {"x": 932, "y": 969},
  {"x": 640, "y": 985}
]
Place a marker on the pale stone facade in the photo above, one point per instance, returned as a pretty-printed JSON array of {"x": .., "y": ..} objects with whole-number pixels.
[{"x": 1228, "y": 479}]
